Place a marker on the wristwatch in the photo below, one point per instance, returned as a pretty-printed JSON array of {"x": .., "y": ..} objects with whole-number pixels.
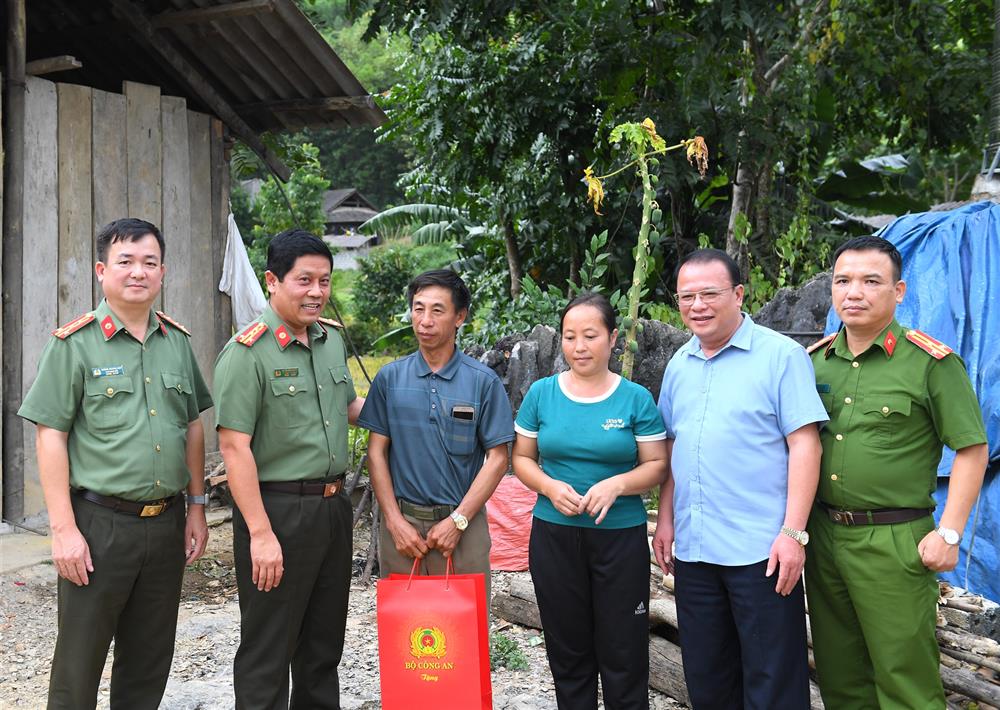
[
  {"x": 950, "y": 536},
  {"x": 461, "y": 522},
  {"x": 197, "y": 500},
  {"x": 800, "y": 536}
]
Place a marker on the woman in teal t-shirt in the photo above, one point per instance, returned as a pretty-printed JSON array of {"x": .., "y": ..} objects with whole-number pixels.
[{"x": 590, "y": 442}]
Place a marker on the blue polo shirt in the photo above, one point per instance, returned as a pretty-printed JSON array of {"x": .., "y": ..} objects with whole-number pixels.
[
  {"x": 729, "y": 416},
  {"x": 436, "y": 450}
]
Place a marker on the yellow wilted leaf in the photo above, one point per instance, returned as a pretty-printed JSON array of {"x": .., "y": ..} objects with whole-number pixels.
[
  {"x": 655, "y": 140},
  {"x": 595, "y": 190},
  {"x": 697, "y": 154}
]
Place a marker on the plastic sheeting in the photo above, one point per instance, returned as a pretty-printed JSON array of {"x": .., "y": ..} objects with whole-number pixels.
[
  {"x": 509, "y": 513},
  {"x": 951, "y": 265}
]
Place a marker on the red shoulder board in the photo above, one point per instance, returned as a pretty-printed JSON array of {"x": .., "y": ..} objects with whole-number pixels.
[
  {"x": 252, "y": 334},
  {"x": 74, "y": 325},
  {"x": 167, "y": 319},
  {"x": 821, "y": 343},
  {"x": 934, "y": 348},
  {"x": 331, "y": 322}
]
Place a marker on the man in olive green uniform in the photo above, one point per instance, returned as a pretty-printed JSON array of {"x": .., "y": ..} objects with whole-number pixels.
[
  {"x": 116, "y": 401},
  {"x": 895, "y": 396},
  {"x": 284, "y": 398}
]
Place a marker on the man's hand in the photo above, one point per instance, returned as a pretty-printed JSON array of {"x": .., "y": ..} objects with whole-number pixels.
[
  {"x": 663, "y": 543},
  {"x": 444, "y": 537},
  {"x": 936, "y": 554},
  {"x": 565, "y": 499},
  {"x": 268, "y": 562},
  {"x": 601, "y": 496},
  {"x": 788, "y": 556},
  {"x": 408, "y": 541},
  {"x": 71, "y": 556},
  {"x": 195, "y": 533}
]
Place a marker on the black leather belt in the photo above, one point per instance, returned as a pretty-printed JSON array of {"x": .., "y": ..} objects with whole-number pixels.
[
  {"x": 305, "y": 488},
  {"x": 425, "y": 512},
  {"x": 882, "y": 516},
  {"x": 144, "y": 509}
]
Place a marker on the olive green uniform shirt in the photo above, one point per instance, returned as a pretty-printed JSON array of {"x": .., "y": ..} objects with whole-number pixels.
[
  {"x": 891, "y": 409},
  {"x": 125, "y": 404},
  {"x": 290, "y": 398}
]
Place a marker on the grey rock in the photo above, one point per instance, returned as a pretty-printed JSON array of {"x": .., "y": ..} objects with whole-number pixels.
[
  {"x": 801, "y": 312},
  {"x": 547, "y": 339},
  {"x": 522, "y": 371},
  {"x": 657, "y": 344}
]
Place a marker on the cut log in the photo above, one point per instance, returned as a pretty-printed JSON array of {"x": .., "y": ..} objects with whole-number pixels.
[
  {"x": 971, "y": 685},
  {"x": 666, "y": 673}
]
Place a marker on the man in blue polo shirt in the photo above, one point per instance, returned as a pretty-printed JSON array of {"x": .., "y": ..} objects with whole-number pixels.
[
  {"x": 440, "y": 423},
  {"x": 741, "y": 411}
]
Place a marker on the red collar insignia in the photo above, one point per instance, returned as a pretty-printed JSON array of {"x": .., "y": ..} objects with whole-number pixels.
[
  {"x": 284, "y": 337},
  {"x": 889, "y": 343}
]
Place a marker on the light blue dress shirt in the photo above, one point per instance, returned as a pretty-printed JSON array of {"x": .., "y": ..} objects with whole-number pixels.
[{"x": 729, "y": 416}]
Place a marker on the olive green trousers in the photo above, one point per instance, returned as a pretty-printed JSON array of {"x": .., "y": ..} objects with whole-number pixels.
[{"x": 873, "y": 611}]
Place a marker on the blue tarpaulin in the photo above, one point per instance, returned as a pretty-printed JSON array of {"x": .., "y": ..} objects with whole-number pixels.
[{"x": 951, "y": 265}]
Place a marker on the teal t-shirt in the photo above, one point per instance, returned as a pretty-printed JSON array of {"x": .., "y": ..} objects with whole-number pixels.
[{"x": 584, "y": 440}]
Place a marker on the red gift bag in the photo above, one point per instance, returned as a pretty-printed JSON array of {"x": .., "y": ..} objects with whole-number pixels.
[{"x": 433, "y": 642}]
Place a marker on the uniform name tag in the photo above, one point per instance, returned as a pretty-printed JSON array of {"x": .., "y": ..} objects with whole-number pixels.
[
  {"x": 287, "y": 372},
  {"x": 109, "y": 371},
  {"x": 822, "y": 388}
]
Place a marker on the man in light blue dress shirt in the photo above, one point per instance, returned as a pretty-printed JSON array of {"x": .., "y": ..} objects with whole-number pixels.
[{"x": 741, "y": 411}]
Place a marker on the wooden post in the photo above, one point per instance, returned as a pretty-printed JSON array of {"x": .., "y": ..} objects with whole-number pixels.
[{"x": 13, "y": 251}]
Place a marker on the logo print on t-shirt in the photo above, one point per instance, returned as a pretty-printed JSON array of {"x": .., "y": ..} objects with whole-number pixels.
[{"x": 613, "y": 423}]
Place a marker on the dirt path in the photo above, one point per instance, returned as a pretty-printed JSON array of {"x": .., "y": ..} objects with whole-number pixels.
[{"x": 208, "y": 634}]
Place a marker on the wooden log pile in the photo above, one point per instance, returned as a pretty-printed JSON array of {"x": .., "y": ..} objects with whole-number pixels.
[{"x": 970, "y": 663}]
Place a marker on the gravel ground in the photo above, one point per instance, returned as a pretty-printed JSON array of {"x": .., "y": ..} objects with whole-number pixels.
[{"x": 208, "y": 634}]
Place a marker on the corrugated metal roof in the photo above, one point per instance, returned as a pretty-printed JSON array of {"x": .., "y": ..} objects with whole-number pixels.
[
  {"x": 263, "y": 57},
  {"x": 353, "y": 241}
]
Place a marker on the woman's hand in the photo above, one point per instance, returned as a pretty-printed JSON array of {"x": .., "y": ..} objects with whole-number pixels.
[
  {"x": 601, "y": 496},
  {"x": 565, "y": 499}
]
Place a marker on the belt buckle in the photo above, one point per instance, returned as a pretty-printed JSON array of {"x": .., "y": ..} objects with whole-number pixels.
[
  {"x": 151, "y": 511},
  {"x": 331, "y": 489},
  {"x": 848, "y": 517}
]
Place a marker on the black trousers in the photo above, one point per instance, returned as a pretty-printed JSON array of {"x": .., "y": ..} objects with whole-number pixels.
[
  {"x": 132, "y": 597},
  {"x": 301, "y": 622},
  {"x": 743, "y": 644},
  {"x": 592, "y": 587}
]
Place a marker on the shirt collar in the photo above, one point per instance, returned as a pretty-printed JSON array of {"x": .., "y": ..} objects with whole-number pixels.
[
  {"x": 741, "y": 339},
  {"x": 447, "y": 372},
  {"x": 111, "y": 324},
  {"x": 282, "y": 333},
  {"x": 886, "y": 341}
]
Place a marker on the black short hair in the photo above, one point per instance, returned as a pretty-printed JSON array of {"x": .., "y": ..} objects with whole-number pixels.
[
  {"x": 445, "y": 278},
  {"x": 285, "y": 249},
  {"x": 128, "y": 229},
  {"x": 872, "y": 243},
  {"x": 704, "y": 256},
  {"x": 598, "y": 301}
]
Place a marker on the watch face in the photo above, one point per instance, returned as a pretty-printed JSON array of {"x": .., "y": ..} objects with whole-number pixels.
[
  {"x": 804, "y": 537},
  {"x": 950, "y": 536}
]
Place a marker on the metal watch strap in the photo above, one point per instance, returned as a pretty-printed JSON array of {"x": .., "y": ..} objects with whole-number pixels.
[{"x": 197, "y": 500}]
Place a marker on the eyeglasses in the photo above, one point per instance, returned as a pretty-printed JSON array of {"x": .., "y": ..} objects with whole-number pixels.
[{"x": 708, "y": 296}]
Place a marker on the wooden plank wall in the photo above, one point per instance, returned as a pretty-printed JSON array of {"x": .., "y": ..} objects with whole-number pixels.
[{"x": 91, "y": 157}]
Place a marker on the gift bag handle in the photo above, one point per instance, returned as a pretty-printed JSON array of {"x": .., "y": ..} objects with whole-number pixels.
[{"x": 448, "y": 570}]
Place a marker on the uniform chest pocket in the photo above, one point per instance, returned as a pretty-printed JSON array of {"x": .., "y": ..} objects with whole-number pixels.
[
  {"x": 340, "y": 378},
  {"x": 827, "y": 399},
  {"x": 289, "y": 402},
  {"x": 460, "y": 432},
  {"x": 176, "y": 394},
  {"x": 109, "y": 402},
  {"x": 885, "y": 415}
]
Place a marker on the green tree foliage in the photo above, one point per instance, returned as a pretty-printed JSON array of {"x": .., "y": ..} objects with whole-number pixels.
[
  {"x": 505, "y": 102},
  {"x": 297, "y": 203},
  {"x": 380, "y": 290},
  {"x": 354, "y": 157}
]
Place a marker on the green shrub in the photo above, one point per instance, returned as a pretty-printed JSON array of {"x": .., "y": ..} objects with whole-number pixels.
[
  {"x": 505, "y": 653},
  {"x": 380, "y": 289}
]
